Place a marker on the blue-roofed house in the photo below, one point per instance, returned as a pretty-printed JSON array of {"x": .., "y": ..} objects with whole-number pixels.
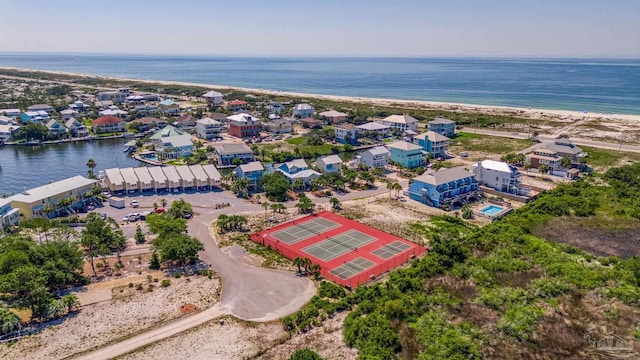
[
  {"x": 169, "y": 107},
  {"x": 34, "y": 116},
  {"x": 251, "y": 171},
  {"x": 303, "y": 110},
  {"x": 435, "y": 144},
  {"x": 298, "y": 169},
  {"x": 453, "y": 187},
  {"x": 55, "y": 128},
  {"x": 406, "y": 154}
]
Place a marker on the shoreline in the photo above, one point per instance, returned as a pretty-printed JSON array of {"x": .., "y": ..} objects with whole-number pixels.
[{"x": 527, "y": 113}]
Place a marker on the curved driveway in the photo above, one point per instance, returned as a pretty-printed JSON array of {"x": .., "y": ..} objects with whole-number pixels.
[{"x": 251, "y": 293}]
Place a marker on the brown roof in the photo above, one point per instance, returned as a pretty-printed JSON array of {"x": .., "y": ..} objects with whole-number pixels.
[
  {"x": 311, "y": 120},
  {"x": 105, "y": 120},
  {"x": 186, "y": 119},
  {"x": 149, "y": 120},
  {"x": 217, "y": 116},
  {"x": 237, "y": 102}
]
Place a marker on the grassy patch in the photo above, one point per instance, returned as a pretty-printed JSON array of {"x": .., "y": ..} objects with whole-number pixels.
[
  {"x": 296, "y": 140},
  {"x": 488, "y": 144},
  {"x": 600, "y": 158}
]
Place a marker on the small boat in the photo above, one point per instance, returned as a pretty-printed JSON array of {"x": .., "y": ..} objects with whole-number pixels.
[{"x": 33, "y": 142}]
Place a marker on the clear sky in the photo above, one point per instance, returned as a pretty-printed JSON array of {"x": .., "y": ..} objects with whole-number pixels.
[{"x": 511, "y": 28}]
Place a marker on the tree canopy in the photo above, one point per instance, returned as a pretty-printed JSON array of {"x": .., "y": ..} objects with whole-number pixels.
[{"x": 275, "y": 186}]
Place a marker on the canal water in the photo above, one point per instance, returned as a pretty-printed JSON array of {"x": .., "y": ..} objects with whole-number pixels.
[{"x": 25, "y": 167}]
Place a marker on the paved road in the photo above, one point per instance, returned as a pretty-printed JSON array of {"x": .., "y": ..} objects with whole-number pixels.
[{"x": 249, "y": 293}]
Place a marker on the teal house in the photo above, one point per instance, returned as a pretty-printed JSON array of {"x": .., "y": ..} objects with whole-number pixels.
[
  {"x": 406, "y": 154},
  {"x": 453, "y": 187},
  {"x": 252, "y": 171}
]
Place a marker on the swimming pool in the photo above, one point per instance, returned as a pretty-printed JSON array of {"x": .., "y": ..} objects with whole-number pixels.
[{"x": 492, "y": 210}]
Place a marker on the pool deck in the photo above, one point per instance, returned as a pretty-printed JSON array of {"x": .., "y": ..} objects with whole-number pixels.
[{"x": 506, "y": 208}]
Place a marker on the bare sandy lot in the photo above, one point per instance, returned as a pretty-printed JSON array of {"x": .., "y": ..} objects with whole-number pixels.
[{"x": 102, "y": 323}]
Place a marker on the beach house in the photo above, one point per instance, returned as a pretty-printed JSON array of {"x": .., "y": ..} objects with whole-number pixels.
[
  {"x": 79, "y": 106},
  {"x": 108, "y": 124},
  {"x": 543, "y": 156},
  {"x": 146, "y": 109},
  {"x": 377, "y": 157},
  {"x": 311, "y": 123},
  {"x": 400, "y": 122},
  {"x": 208, "y": 129},
  {"x": 55, "y": 128},
  {"x": 275, "y": 107},
  {"x": 225, "y": 153},
  {"x": 562, "y": 148},
  {"x": 244, "y": 125},
  {"x": 9, "y": 216},
  {"x": 113, "y": 96},
  {"x": 406, "y": 154},
  {"x": 7, "y": 131},
  {"x": 346, "y": 133},
  {"x": 185, "y": 122},
  {"x": 333, "y": 117},
  {"x": 34, "y": 116},
  {"x": 373, "y": 130},
  {"x": 44, "y": 200},
  {"x": 147, "y": 123},
  {"x": 41, "y": 107},
  {"x": 76, "y": 128},
  {"x": 499, "y": 176},
  {"x": 442, "y": 126},
  {"x": 278, "y": 126},
  {"x": 213, "y": 97},
  {"x": 169, "y": 106},
  {"x": 298, "y": 169},
  {"x": 329, "y": 164},
  {"x": 252, "y": 171},
  {"x": 452, "y": 187},
  {"x": 177, "y": 145},
  {"x": 68, "y": 114},
  {"x": 113, "y": 111},
  {"x": 435, "y": 144},
  {"x": 303, "y": 110},
  {"x": 237, "y": 105},
  {"x": 12, "y": 113}
]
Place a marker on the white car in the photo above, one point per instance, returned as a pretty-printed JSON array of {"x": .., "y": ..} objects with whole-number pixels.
[{"x": 134, "y": 203}]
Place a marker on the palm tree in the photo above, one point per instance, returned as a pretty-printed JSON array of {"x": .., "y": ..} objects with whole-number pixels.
[
  {"x": 398, "y": 188},
  {"x": 390, "y": 187},
  {"x": 335, "y": 203},
  {"x": 315, "y": 271},
  {"x": 155, "y": 206},
  {"x": 565, "y": 162},
  {"x": 544, "y": 168},
  {"x": 298, "y": 184},
  {"x": 8, "y": 321},
  {"x": 299, "y": 262},
  {"x": 163, "y": 201},
  {"x": 265, "y": 205},
  {"x": 70, "y": 301},
  {"x": 240, "y": 186},
  {"x": 583, "y": 162},
  {"x": 526, "y": 167},
  {"x": 91, "y": 164},
  {"x": 306, "y": 262}
]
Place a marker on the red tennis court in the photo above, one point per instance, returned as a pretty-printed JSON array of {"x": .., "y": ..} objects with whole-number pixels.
[{"x": 349, "y": 253}]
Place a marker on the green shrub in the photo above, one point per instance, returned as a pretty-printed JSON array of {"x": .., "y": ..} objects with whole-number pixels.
[
  {"x": 331, "y": 290},
  {"x": 305, "y": 354},
  {"x": 520, "y": 320},
  {"x": 504, "y": 297},
  {"x": 165, "y": 283},
  {"x": 549, "y": 287}
]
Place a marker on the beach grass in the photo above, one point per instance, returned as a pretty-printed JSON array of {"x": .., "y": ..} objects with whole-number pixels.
[
  {"x": 488, "y": 144},
  {"x": 600, "y": 158}
]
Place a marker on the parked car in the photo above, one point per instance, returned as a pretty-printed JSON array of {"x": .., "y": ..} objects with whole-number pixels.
[
  {"x": 103, "y": 216},
  {"x": 187, "y": 215},
  {"x": 134, "y": 203}
]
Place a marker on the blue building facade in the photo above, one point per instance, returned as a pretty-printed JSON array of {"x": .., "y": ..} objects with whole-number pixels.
[
  {"x": 453, "y": 187},
  {"x": 406, "y": 154},
  {"x": 442, "y": 126},
  {"x": 252, "y": 171}
]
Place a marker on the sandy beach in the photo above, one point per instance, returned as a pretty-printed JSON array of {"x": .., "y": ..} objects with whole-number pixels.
[{"x": 527, "y": 113}]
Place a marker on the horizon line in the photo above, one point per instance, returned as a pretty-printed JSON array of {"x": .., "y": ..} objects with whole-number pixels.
[{"x": 151, "y": 54}]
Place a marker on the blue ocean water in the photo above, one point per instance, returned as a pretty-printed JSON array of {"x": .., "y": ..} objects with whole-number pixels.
[{"x": 595, "y": 85}]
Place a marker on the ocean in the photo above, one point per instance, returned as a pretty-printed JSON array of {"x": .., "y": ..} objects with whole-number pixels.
[{"x": 594, "y": 85}]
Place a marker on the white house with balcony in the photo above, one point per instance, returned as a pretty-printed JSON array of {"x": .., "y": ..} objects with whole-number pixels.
[
  {"x": 377, "y": 157},
  {"x": 400, "y": 122},
  {"x": 499, "y": 176},
  {"x": 208, "y": 129}
]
